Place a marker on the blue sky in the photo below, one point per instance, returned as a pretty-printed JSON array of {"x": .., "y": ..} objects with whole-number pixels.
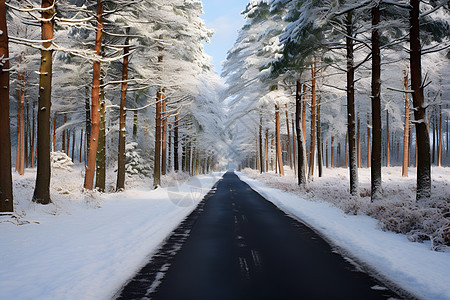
[{"x": 225, "y": 17}]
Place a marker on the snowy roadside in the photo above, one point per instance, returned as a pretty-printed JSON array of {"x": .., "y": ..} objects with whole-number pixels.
[
  {"x": 87, "y": 246},
  {"x": 412, "y": 266}
]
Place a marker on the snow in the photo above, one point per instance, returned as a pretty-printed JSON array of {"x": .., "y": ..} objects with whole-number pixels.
[
  {"x": 86, "y": 246},
  {"x": 411, "y": 266}
]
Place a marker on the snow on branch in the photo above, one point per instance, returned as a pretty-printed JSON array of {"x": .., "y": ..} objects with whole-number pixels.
[{"x": 33, "y": 9}]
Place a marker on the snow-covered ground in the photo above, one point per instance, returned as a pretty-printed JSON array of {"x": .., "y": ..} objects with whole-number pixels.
[
  {"x": 410, "y": 265},
  {"x": 85, "y": 246}
]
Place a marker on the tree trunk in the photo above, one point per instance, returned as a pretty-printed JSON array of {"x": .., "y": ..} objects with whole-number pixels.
[
  {"x": 183, "y": 157},
  {"x": 272, "y": 158},
  {"x": 73, "y": 146},
  {"x": 278, "y": 140},
  {"x": 406, "y": 138},
  {"x": 33, "y": 136},
  {"x": 69, "y": 154},
  {"x": 294, "y": 147},
  {"x": 326, "y": 154},
  {"x": 358, "y": 140},
  {"x": 27, "y": 132},
  {"x": 319, "y": 140},
  {"x": 312, "y": 153},
  {"x": 332, "y": 152},
  {"x": 87, "y": 106},
  {"x": 135, "y": 120},
  {"x": 100, "y": 172},
  {"x": 267, "y": 149},
  {"x": 422, "y": 135},
  {"x": 164, "y": 137},
  {"x": 81, "y": 144},
  {"x": 197, "y": 160},
  {"x": 351, "y": 108},
  {"x": 169, "y": 156},
  {"x": 301, "y": 151},
  {"x": 175, "y": 145},
  {"x": 388, "y": 142},
  {"x": 345, "y": 151},
  {"x": 21, "y": 124},
  {"x": 95, "y": 128},
  {"x": 440, "y": 135},
  {"x": 157, "y": 166},
  {"x": 121, "y": 155},
  {"x": 369, "y": 153},
  {"x": 63, "y": 140},
  {"x": 433, "y": 151},
  {"x": 289, "y": 138},
  {"x": 42, "y": 189},
  {"x": 18, "y": 129},
  {"x": 261, "y": 157},
  {"x": 6, "y": 191}
]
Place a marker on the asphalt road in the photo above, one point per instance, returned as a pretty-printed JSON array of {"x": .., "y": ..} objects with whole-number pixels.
[{"x": 237, "y": 245}]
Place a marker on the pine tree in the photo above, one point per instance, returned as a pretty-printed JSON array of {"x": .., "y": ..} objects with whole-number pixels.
[
  {"x": 6, "y": 191},
  {"x": 42, "y": 189}
]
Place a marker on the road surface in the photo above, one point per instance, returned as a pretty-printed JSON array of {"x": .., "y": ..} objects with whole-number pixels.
[{"x": 237, "y": 245}]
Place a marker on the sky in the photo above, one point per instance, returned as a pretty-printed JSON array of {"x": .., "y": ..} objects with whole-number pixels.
[{"x": 223, "y": 16}]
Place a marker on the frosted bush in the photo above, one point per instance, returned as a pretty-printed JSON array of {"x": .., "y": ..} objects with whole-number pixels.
[
  {"x": 135, "y": 164},
  {"x": 61, "y": 160},
  {"x": 397, "y": 211}
]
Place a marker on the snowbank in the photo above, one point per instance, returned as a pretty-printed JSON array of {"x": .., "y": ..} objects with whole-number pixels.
[
  {"x": 86, "y": 246},
  {"x": 412, "y": 266}
]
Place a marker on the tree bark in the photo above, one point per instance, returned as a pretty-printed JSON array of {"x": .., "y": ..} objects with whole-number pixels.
[
  {"x": 6, "y": 190},
  {"x": 73, "y": 145},
  {"x": 388, "y": 141},
  {"x": 294, "y": 147},
  {"x": 358, "y": 141},
  {"x": 121, "y": 156},
  {"x": 301, "y": 151},
  {"x": 81, "y": 143},
  {"x": 197, "y": 160},
  {"x": 439, "y": 159},
  {"x": 267, "y": 149},
  {"x": 95, "y": 128},
  {"x": 21, "y": 124},
  {"x": 100, "y": 171},
  {"x": 157, "y": 162},
  {"x": 406, "y": 138},
  {"x": 135, "y": 120},
  {"x": 278, "y": 140},
  {"x": 369, "y": 153},
  {"x": 351, "y": 107},
  {"x": 332, "y": 152},
  {"x": 87, "y": 106},
  {"x": 63, "y": 140},
  {"x": 433, "y": 150},
  {"x": 27, "y": 131},
  {"x": 422, "y": 136},
  {"x": 33, "y": 136},
  {"x": 175, "y": 145},
  {"x": 42, "y": 188},
  {"x": 289, "y": 138},
  {"x": 312, "y": 150},
  {"x": 164, "y": 137},
  {"x": 261, "y": 157},
  {"x": 183, "y": 157},
  {"x": 319, "y": 140}
]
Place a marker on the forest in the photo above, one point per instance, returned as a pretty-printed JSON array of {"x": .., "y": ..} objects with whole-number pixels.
[
  {"x": 120, "y": 141},
  {"x": 342, "y": 83},
  {"x": 309, "y": 84},
  {"x": 69, "y": 68}
]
